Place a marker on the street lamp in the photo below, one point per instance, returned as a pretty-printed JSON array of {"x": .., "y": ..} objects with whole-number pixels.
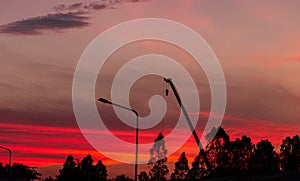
[
  {"x": 9, "y": 151},
  {"x": 136, "y": 131}
]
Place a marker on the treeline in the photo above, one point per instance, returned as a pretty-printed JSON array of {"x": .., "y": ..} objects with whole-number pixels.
[
  {"x": 221, "y": 158},
  {"x": 239, "y": 158},
  {"x": 18, "y": 172}
]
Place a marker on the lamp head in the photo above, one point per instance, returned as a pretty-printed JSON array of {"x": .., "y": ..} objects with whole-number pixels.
[{"x": 104, "y": 100}]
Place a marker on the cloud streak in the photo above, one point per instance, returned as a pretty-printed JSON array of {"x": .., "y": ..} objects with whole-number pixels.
[
  {"x": 45, "y": 145},
  {"x": 97, "y": 5},
  {"x": 35, "y": 25},
  {"x": 65, "y": 17}
]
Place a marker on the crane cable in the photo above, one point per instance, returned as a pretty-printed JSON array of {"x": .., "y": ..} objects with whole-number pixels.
[{"x": 166, "y": 91}]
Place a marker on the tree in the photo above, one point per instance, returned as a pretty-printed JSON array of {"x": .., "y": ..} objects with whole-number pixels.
[
  {"x": 70, "y": 170},
  {"x": 216, "y": 151},
  {"x": 4, "y": 171},
  {"x": 143, "y": 176},
  {"x": 290, "y": 154},
  {"x": 181, "y": 168},
  {"x": 158, "y": 159},
  {"x": 240, "y": 153},
  {"x": 218, "y": 135},
  {"x": 18, "y": 172},
  {"x": 101, "y": 171},
  {"x": 74, "y": 170},
  {"x": 87, "y": 169},
  {"x": 265, "y": 159},
  {"x": 199, "y": 169},
  {"x": 48, "y": 179},
  {"x": 122, "y": 178}
]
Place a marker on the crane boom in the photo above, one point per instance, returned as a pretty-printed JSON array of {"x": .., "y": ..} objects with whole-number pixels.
[
  {"x": 195, "y": 135},
  {"x": 185, "y": 113}
]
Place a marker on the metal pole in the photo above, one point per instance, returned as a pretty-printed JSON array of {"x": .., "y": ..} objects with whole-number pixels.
[
  {"x": 136, "y": 131},
  {"x": 136, "y": 147},
  {"x": 9, "y": 156}
]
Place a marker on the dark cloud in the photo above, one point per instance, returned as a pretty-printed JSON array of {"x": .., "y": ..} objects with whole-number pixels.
[
  {"x": 86, "y": 7},
  {"x": 77, "y": 7},
  {"x": 65, "y": 17},
  {"x": 95, "y": 6},
  {"x": 81, "y": 7},
  {"x": 35, "y": 25}
]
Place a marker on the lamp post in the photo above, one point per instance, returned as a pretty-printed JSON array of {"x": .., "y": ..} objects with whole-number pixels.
[
  {"x": 9, "y": 151},
  {"x": 136, "y": 131}
]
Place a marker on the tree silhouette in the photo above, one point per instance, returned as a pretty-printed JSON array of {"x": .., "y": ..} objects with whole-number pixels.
[
  {"x": 217, "y": 151},
  {"x": 101, "y": 171},
  {"x": 198, "y": 169},
  {"x": 18, "y": 172},
  {"x": 4, "y": 171},
  {"x": 158, "y": 159},
  {"x": 226, "y": 157},
  {"x": 74, "y": 170},
  {"x": 48, "y": 179},
  {"x": 24, "y": 172},
  {"x": 181, "y": 168},
  {"x": 240, "y": 153},
  {"x": 87, "y": 168},
  {"x": 122, "y": 178},
  {"x": 265, "y": 159},
  {"x": 143, "y": 176},
  {"x": 290, "y": 154},
  {"x": 70, "y": 170}
]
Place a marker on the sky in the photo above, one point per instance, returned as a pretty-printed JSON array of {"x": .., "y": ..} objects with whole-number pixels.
[{"x": 41, "y": 42}]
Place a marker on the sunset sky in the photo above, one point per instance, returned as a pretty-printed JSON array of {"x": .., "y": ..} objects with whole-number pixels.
[{"x": 256, "y": 42}]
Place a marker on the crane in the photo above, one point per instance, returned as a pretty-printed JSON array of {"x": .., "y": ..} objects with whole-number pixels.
[{"x": 195, "y": 135}]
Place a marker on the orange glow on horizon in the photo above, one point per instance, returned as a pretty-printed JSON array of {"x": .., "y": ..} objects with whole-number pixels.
[{"x": 53, "y": 144}]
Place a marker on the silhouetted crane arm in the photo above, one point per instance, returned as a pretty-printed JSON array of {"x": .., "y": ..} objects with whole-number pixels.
[{"x": 169, "y": 81}]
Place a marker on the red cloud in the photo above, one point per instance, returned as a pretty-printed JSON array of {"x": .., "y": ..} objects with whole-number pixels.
[{"x": 41, "y": 145}]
